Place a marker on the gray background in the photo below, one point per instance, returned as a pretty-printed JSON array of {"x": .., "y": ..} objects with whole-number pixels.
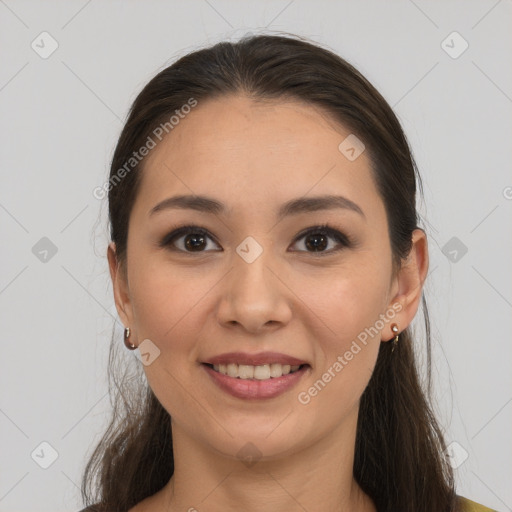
[{"x": 60, "y": 117}]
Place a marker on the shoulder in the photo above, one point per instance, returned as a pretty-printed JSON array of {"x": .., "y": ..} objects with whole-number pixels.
[{"x": 471, "y": 506}]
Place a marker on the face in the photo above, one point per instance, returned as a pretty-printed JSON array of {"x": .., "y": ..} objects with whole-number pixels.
[{"x": 250, "y": 281}]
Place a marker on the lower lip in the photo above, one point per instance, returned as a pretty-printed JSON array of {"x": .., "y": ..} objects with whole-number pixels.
[{"x": 253, "y": 388}]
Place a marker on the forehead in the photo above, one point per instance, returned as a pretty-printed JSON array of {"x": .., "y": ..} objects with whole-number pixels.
[{"x": 258, "y": 150}]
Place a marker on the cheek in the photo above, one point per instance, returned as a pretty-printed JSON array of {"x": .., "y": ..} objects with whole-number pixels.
[
  {"x": 164, "y": 297},
  {"x": 166, "y": 301},
  {"x": 347, "y": 355},
  {"x": 350, "y": 306},
  {"x": 349, "y": 300}
]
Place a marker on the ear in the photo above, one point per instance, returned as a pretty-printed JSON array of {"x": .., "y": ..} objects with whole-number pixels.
[
  {"x": 120, "y": 286},
  {"x": 409, "y": 282}
]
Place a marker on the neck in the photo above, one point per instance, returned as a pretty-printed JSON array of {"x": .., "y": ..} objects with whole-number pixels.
[{"x": 318, "y": 477}]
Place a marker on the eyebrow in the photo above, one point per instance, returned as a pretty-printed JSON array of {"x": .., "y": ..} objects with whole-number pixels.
[{"x": 293, "y": 207}]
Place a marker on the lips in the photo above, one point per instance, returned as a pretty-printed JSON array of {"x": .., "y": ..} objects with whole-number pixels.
[
  {"x": 261, "y": 358},
  {"x": 255, "y": 376}
]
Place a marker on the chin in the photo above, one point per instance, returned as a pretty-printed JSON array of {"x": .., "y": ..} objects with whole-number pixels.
[{"x": 252, "y": 440}]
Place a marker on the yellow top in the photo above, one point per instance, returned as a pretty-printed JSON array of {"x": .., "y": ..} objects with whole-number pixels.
[
  {"x": 466, "y": 506},
  {"x": 471, "y": 506}
]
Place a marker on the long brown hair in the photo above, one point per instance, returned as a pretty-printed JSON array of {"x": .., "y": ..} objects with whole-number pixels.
[{"x": 399, "y": 452}]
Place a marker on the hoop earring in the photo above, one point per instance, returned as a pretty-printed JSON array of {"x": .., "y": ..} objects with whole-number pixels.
[
  {"x": 394, "y": 328},
  {"x": 129, "y": 346}
]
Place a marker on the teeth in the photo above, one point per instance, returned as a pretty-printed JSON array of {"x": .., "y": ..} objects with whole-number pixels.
[
  {"x": 262, "y": 372},
  {"x": 245, "y": 371},
  {"x": 232, "y": 370}
]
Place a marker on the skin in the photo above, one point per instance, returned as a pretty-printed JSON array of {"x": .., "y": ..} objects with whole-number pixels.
[{"x": 254, "y": 156}]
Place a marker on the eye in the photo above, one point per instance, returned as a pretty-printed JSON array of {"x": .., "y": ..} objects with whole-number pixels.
[
  {"x": 188, "y": 239},
  {"x": 316, "y": 239},
  {"x": 191, "y": 239}
]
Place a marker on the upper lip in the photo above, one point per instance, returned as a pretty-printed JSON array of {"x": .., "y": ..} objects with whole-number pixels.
[{"x": 257, "y": 359}]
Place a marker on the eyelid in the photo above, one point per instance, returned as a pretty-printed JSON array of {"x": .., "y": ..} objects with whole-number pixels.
[
  {"x": 325, "y": 229},
  {"x": 341, "y": 238},
  {"x": 179, "y": 231}
]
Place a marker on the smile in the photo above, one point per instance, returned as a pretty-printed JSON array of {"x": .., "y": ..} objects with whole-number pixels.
[
  {"x": 255, "y": 382},
  {"x": 260, "y": 372}
]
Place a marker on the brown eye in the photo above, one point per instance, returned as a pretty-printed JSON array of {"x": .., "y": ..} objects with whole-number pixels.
[
  {"x": 188, "y": 239},
  {"x": 317, "y": 240},
  {"x": 195, "y": 242}
]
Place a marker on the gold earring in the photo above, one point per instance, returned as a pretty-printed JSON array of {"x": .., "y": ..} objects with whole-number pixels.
[
  {"x": 394, "y": 328},
  {"x": 129, "y": 345}
]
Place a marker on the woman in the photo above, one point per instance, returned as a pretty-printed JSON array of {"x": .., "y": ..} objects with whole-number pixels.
[{"x": 267, "y": 262}]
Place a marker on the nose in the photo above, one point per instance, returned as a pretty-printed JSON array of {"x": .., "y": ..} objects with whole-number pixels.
[{"x": 254, "y": 296}]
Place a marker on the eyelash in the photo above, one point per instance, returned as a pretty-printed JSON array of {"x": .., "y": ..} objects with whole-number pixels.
[{"x": 321, "y": 229}]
